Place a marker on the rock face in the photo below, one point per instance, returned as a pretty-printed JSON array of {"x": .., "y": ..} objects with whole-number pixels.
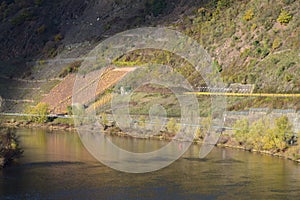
[{"x": 9, "y": 148}]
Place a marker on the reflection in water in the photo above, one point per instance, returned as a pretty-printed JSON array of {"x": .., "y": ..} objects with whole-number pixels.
[
  {"x": 56, "y": 166},
  {"x": 110, "y": 154}
]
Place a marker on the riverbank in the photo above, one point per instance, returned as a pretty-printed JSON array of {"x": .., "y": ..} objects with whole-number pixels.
[
  {"x": 19, "y": 122},
  {"x": 225, "y": 141},
  {"x": 291, "y": 153}
]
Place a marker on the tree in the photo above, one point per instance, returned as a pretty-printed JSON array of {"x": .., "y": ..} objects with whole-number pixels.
[
  {"x": 39, "y": 113},
  {"x": 258, "y": 131},
  {"x": 283, "y": 128},
  {"x": 241, "y": 131}
]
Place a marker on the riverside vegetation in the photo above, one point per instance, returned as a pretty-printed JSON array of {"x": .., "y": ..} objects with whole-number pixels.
[
  {"x": 263, "y": 135},
  {"x": 9, "y": 147}
]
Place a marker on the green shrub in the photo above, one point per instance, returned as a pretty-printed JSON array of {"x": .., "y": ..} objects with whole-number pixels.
[
  {"x": 256, "y": 43},
  {"x": 69, "y": 110},
  {"x": 217, "y": 66},
  {"x": 241, "y": 131},
  {"x": 142, "y": 121},
  {"x": 38, "y": 114},
  {"x": 260, "y": 135},
  {"x": 284, "y": 17},
  {"x": 275, "y": 60},
  {"x": 104, "y": 118},
  {"x": 288, "y": 77},
  {"x": 276, "y": 43},
  {"x": 268, "y": 24},
  {"x": 41, "y": 29},
  {"x": 284, "y": 128},
  {"x": 253, "y": 27},
  {"x": 223, "y": 3},
  {"x": 199, "y": 134},
  {"x": 58, "y": 37},
  {"x": 280, "y": 70},
  {"x": 248, "y": 15},
  {"x": 265, "y": 51},
  {"x": 71, "y": 68},
  {"x": 172, "y": 126},
  {"x": 288, "y": 1},
  {"x": 258, "y": 51}
]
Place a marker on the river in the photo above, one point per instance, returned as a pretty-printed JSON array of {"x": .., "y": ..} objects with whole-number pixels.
[{"x": 55, "y": 165}]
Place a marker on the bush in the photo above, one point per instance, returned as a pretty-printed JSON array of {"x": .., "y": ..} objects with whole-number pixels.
[
  {"x": 172, "y": 126},
  {"x": 217, "y": 66},
  {"x": 288, "y": 77},
  {"x": 253, "y": 27},
  {"x": 276, "y": 43},
  {"x": 284, "y": 17},
  {"x": 261, "y": 136},
  {"x": 38, "y": 114},
  {"x": 58, "y": 37},
  {"x": 142, "y": 121},
  {"x": 223, "y": 3},
  {"x": 71, "y": 68},
  {"x": 248, "y": 15},
  {"x": 69, "y": 110},
  {"x": 241, "y": 131},
  {"x": 199, "y": 134},
  {"x": 283, "y": 128},
  {"x": 9, "y": 146},
  {"x": 104, "y": 119},
  {"x": 41, "y": 29}
]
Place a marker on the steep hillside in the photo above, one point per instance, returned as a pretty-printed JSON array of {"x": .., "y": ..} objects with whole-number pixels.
[
  {"x": 31, "y": 28},
  {"x": 34, "y": 31},
  {"x": 255, "y": 42}
]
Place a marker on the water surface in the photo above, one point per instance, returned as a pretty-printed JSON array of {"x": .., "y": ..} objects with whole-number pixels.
[{"x": 56, "y": 166}]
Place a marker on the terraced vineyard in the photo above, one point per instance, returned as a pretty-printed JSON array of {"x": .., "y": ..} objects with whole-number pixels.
[{"x": 60, "y": 97}]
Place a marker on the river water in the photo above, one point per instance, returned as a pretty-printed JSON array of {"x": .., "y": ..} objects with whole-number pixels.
[{"x": 55, "y": 165}]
